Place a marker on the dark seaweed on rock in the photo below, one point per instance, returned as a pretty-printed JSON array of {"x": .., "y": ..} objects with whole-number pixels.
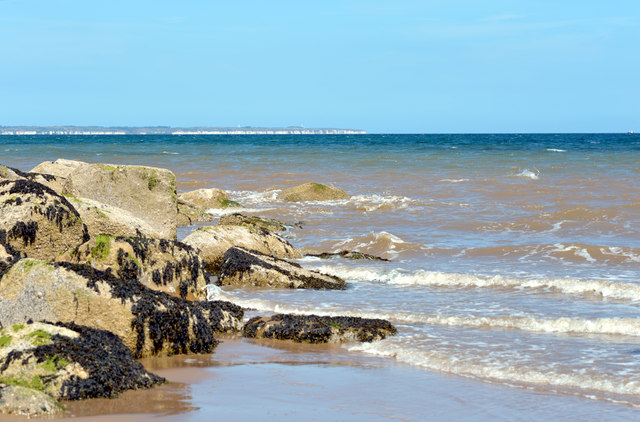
[
  {"x": 35, "y": 188},
  {"x": 316, "y": 329},
  {"x": 167, "y": 319},
  {"x": 31, "y": 176},
  {"x": 237, "y": 261},
  {"x": 108, "y": 362},
  {"x": 347, "y": 255}
]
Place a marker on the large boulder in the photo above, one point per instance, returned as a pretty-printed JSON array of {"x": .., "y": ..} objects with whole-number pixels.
[
  {"x": 69, "y": 361},
  {"x": 241, "y": 267},
  {"x": 103, "y": 218},
  {"x": 206, "y": 198},
  {"x": 312, "y": 192},
  {"x": 148, "y": 193},
  {"x": 214, "y": 241},
  {"x": 160, "y": 264},
  {"x": 149, "y": 322},
  {"x": 36, "y": 221},
  {"x": 251, "y": 222},
  {"x": 318, "y": 329}
]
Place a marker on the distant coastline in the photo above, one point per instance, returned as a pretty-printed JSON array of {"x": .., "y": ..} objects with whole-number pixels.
[{"x": 167, "y": 130}]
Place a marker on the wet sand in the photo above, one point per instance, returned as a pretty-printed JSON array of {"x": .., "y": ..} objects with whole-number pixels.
[{"x": 274, "y": 381}]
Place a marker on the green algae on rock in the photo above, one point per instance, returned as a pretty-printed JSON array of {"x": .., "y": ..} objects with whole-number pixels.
[{"x": 312, "y": 192}]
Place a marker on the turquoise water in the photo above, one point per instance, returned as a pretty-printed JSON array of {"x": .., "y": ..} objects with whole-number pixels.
[{"x": 514, "y": 259}]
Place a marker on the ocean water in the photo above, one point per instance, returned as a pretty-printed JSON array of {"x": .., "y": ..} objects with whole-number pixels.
[{"x": 514, "y": 260}]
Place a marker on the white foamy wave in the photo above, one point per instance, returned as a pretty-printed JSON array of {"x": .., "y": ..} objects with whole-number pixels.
[
  {"x": 507, "y": 374},
  {"x": 454, "y": 180},
  {"x": 599, "y": 288},
  {"x": 533, "y": 175},
  {"x": 555, "y": 150},
  {"x": 250, "y": 197},
  {"x": 170, "y": 152},
  {"x": 232, "y": 210},
  {"x": 370, "y": 203}
]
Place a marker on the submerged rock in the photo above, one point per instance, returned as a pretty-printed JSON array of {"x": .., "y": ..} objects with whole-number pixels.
[
  {"x": 241, "y": 267},
  {"x": 24, "y": 401},
  {"x": 214, "y": 241},
  {"x": 252, "y": 222},
  {"x": 318, "y": 329},
  {"x": 69, "y": 362},
  {"x": 312, "y": 192},
  {"x": 149, "y": 322},
  {"x": 165, "y": 265},
  {"x": 36, "y": 221},
  {"x": 147, "y": 193},
  {"x": 347, "y": 255}
]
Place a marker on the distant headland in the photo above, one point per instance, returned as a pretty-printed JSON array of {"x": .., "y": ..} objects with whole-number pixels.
[{"x": 167, "y": 130}]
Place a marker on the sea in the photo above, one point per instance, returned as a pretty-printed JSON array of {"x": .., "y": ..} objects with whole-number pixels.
[{"x": 513, "y": 259}]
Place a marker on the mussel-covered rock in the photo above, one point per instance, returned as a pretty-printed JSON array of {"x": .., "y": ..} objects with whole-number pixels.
[
  {"x": 318, "y": 329},
  {"x": 149, "y": 322},
  {"x": 160, "y": 264},
  {"x": 241, "y": 267},
  {"x": 347, "y": 255},
  {"x": 312, "y": 192},
  {"x": 36, "y": 221},
  {"x": 147, "y": 193},
  {"x": 251, "y": 222},
  {"x": 213, "y": 242},
  {"x": 69, "y": 361}
]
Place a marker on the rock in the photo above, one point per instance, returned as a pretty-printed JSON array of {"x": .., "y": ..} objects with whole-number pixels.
[
  {"x": 251, "y": 222},
  {"x": 189, "y": 214},
  {"x": 312, "y": 192},
  {"x": 102, "y": 218},
  {"x": 38, "y": 222},
  {"x": 213, "y": 242},
  {"x": 23, "y": 401},
  {"x": 241, "y": 267},
  {"x": 69, "y": 361},
  {"x": 160, "y": 264},
  {"x": 206, "y": 198},
  {"x": 318, "y": 329},
  {"x": 148, "y": 193},
  {"x": 149, "y": 322},
  {"x": 347, "y": 255},
  {"x": 54, "y": 182},
  {"x": 8, "y": 257}
]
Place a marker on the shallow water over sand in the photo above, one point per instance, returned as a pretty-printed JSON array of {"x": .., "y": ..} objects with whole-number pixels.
[{"x": 514, "y": 259}]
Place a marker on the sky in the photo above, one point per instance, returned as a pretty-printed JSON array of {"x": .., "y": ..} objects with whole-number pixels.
[{"x": 396, "y": 66}]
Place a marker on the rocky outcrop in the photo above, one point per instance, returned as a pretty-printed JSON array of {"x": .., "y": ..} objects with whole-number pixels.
[
  {"x": 318, "y": 329},
  {"x": 252, "y": 222},
  {"x": 312, "y": 192},
  {"x": 165, "y": 265},
  {"x": 102, "y": 218},
  {"x": 241, "y": 267},
  {"x": 214, "y": 241},
  {"x": 347, "y": 255},
  {"x": 206, "y": 198},
  {"x": 23, "y": 401},
  {"x": 148, "y": 193},
  {"x": 149, "y": 322},
  {"x": 69, "y": 361},
  {"x": 36, "y": 221}
]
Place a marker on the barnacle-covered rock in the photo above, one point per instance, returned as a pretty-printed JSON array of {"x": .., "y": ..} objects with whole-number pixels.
[
  {"x": 312, "y": 192},
  {"x": 25, "y": 401},
  {"x": 38, "y": 222},
  {"x": 149, "y": 322},
  {"x": 241, "y": 267},
  {"x": 69, "y": 361},
  {"x": 147, "y": 193},
  {"x": 214, "y": 241},
  {"x": 160, "y": 264},
  {"x": 251, "y": 222},
  {"x": 318, "y": 329}
]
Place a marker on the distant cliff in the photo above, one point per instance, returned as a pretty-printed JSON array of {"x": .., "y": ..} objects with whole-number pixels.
[{"x": 166, "y": 130}]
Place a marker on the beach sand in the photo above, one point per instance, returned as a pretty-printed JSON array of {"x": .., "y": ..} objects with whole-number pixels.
[{"x": 275, "y": 381}]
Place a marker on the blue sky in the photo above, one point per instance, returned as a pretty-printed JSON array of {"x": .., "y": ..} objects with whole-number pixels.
[{"x": 384, "y": 66}]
